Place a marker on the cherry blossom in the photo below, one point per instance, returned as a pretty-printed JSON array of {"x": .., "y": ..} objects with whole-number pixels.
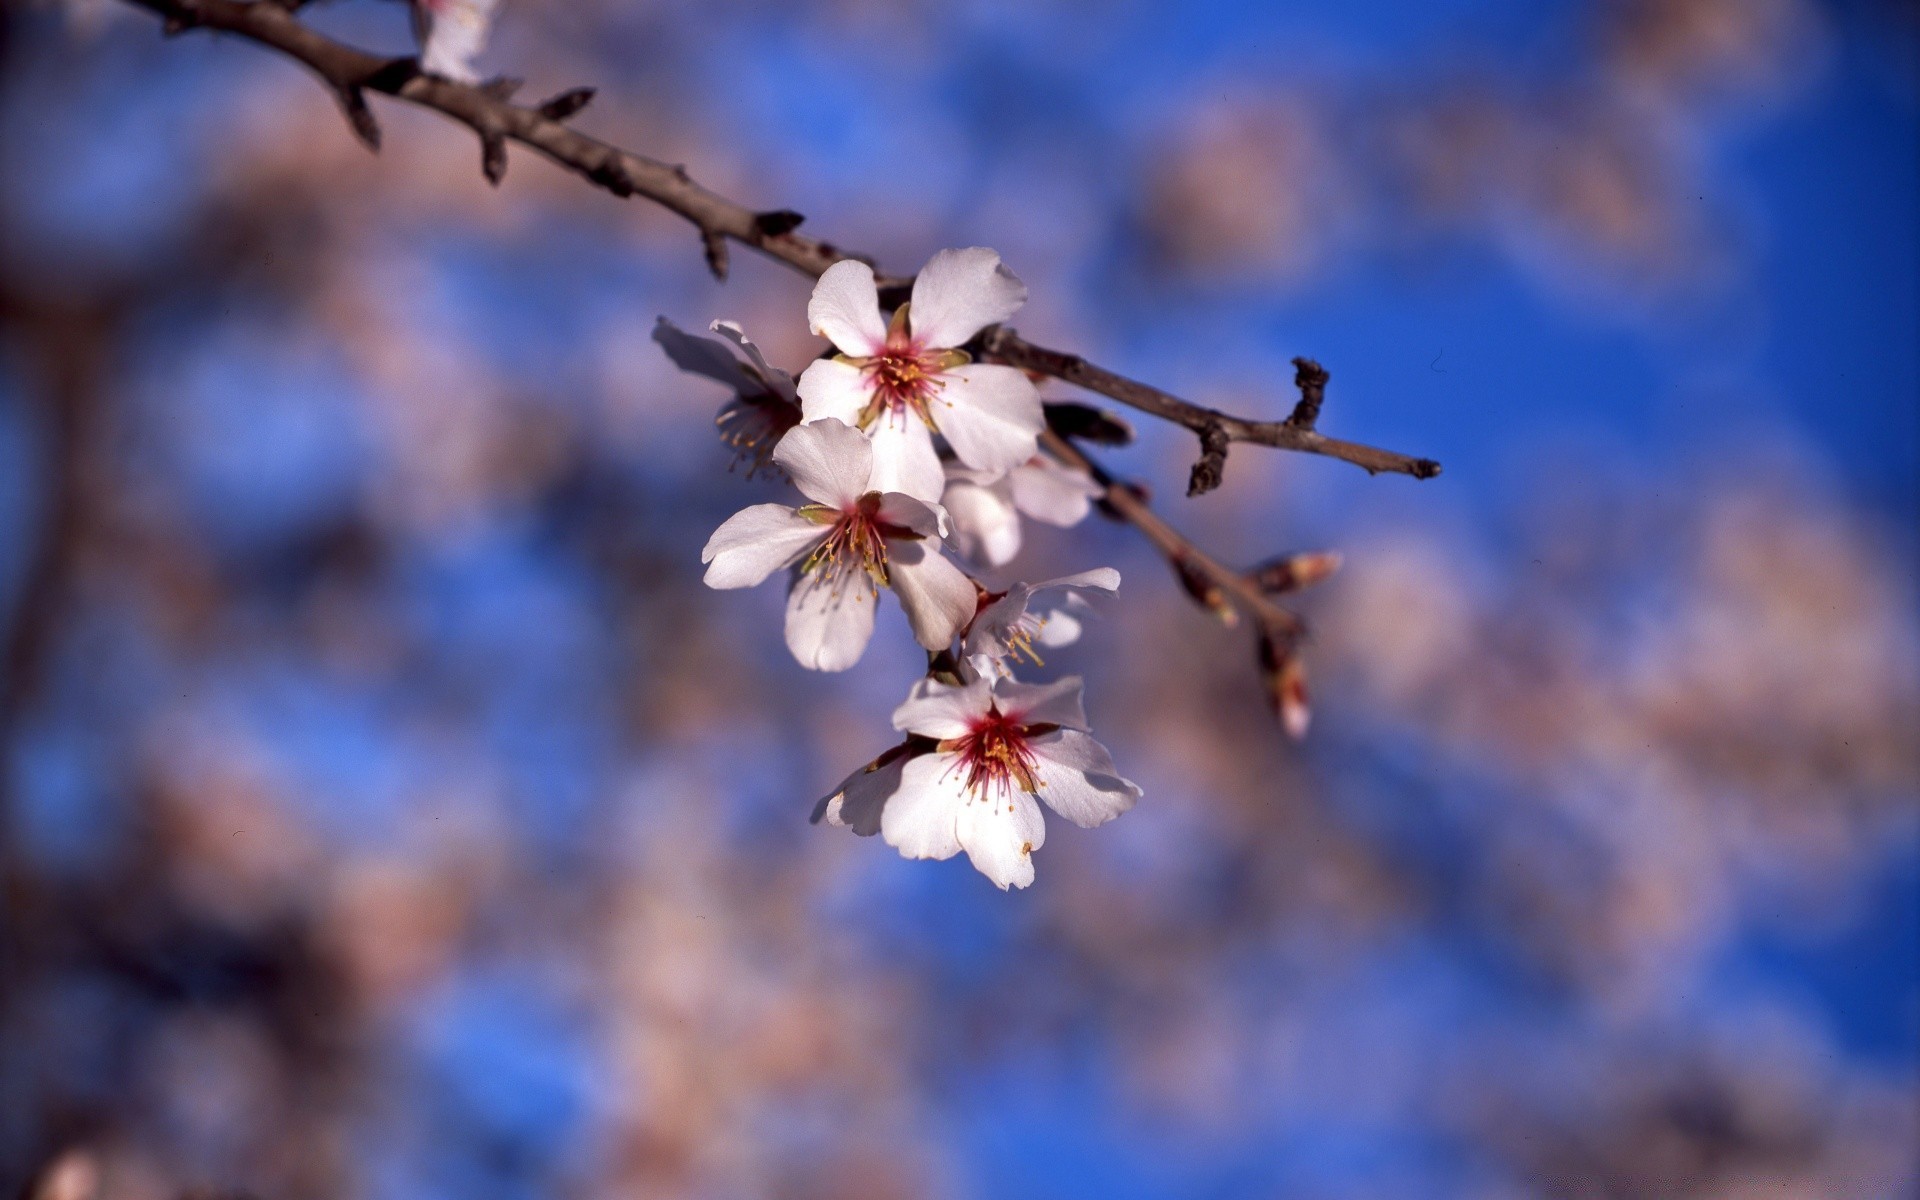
[
  {"x": 1008, "y": 626},
  {"x": 986, "y": 508},
  {"x": 904, "y": 380},
  {"x": 764, "y": 404},
  {"x": 984, "y": 755},
  {"x": 851, "y": 540},
  {"x": 452, "y": 33}
]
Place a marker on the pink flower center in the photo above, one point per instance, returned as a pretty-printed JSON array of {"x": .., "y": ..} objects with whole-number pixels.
[
  {"x": 905, "y": 376},
  {"x": 995, "y": 756},
  {"x": 857, "y": 541}
]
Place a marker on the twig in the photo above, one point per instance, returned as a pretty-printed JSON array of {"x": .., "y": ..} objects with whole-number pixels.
[{"x": 491, "y": 115}]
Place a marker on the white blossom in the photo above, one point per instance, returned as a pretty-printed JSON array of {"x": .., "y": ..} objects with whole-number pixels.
[
  {"x": 986, "y": 507},
  {"x": 990, "y": 754},
  {"x": 903, "y": 381},
  {"x": 764, "y": 404},
  {"x": 452, "y": 33},
  {"x": 850, "y": 541},
  {"x": 1009, "y": 626}
]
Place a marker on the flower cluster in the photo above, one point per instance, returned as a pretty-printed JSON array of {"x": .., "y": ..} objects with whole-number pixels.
[{"x": 908, "y": 456}]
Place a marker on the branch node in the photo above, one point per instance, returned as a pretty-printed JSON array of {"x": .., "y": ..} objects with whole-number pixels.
[
  {"x": 1285, "y": 676},
  {"x": 777, "y": 223},
  {"x": 716, "y": 247},
  {"x": 1295, "y": 571},
  {"x": 567, "y": 104},
  {"x": 611, "y": 174},
  {"x": 1204, "y": 590},
  {"x": 1088, "y": 424},
  {"x": 493, "y": 157},
  {"x": 1311, "y": 378},
  {"x": 353, "y": 102},
  {"x": 1212, "y": 466}
]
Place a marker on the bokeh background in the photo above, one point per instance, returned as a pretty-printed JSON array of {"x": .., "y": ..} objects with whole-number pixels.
[{"x": 389, "y": 812}]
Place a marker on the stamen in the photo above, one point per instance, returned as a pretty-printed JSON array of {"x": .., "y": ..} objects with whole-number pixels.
[{"x": 995, "y": 758}]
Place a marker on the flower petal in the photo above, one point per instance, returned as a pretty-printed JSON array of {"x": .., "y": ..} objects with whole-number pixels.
[
  {"x": 452, "y": 37},
  {"x": 703, "y": 356},
  {"x": 1058, "y": 627},
  {"x": 755, "y": 542},
  {"x": 1000, "y": 832},
  {"x": 1052, "y": 492},
  {"x": 943, "y": 710},
  {"x": 1056, "y": 703},
  {"x": 831, "y": 388},
  {"x": 938, "y": 597},
  {"x": 1100, "y": 579},
  {"x": 1077, "y": 779},
  {"x": 829, "y": 461},
  {"x": 898, "y": 508},
  {"x": 904, "y": 459},
  {"x": 959, "y": 293},
  {"x": 919, "y": 819},
  {"x": 845, "y": 309},
  {"x": 990, "y": 413},
  {"x": 776, "y": 379},
  {"x": 985, "y": 526},
  {"x": 862, "y": 796},
  {"x": 829, "y": 622}
]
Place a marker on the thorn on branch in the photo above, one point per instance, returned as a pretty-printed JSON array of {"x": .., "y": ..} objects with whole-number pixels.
[
  {"x": 353, "y": 102},
  {"x": 1204, "y": 590},
  {"x": 716, "y": 245},
  {"x": 612, "y": 175},
  {"x": 1088, "y": 424},
  {"x": 1212, "y": 466},
  {"x": 1285, "y": 675},
  {"x": 567, "y": 104},
  {"x": 1311, "y": 378},
  {"x": 1295, "y": 571},
  {"x": 778, "y": 222},
  {"x": 493, "y": 157}
]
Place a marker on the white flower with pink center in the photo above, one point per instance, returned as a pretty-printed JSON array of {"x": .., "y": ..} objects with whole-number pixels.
[
  {"x": 983, "y": 758},
  {"x": 1011, "y": 626},
  {"x": 847, "y": 544},
  {"x": 452, "y": 33},
  {"x": 986, "y": 508},
  {"x": 764, "y": 404},
  {"x": 903, "y": 381}
]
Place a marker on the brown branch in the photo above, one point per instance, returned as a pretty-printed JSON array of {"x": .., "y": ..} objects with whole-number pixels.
[
  {"x": 1002, "y": 344},
  {"x": 488, "y": 111}
]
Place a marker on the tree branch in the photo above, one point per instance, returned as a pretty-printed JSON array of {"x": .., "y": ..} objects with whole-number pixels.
[{"x": 495, "y": 120}]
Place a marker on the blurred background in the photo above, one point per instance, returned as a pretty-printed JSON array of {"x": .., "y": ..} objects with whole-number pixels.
[{"x": 388, "y": 811}]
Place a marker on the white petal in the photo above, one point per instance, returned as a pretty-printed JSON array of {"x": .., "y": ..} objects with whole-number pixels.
[
  {"x": 861, "y": 797},
  {"x": 943, "y": 710},
  {"x": 959, "y": 293},
  {"x": 927, "y": 520},
  {"x": 829, "y": 461},
  {"x": 1077, "y": 779},
  {"x": 1056, "y": 703},
  {"x": 938, "y": 597},
  {"x": 919, "y": 820},
  {"x": 1058, "y": 628},
  {"x": 1101, "y": 579},
  {"x": 703, "y": 356},
  {"x": 831, "y": 388},
  {"x": 1000, "y": 832},
  {"x": 829, "y": 624},
  {"x": 845, "y": 309},
  {"x": 987, "y": 636},
  {"x": 772, "y": 376},
  {"x": 452, "y": 35},
  {"x": 1048, "y": 491},
  {"x": 904, "y": 459},
  {"x": 985, "y": 526},
  {"x": 755, "y": 542},
  {"x": 990, "y": 413}
]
